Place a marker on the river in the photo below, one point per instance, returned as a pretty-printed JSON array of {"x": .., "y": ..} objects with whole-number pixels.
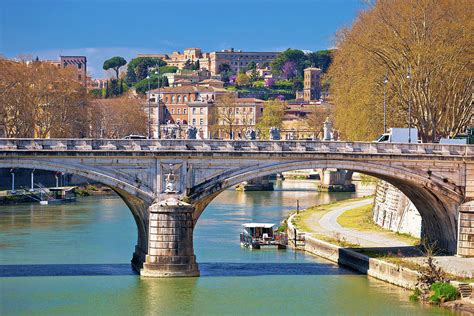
[{"x": 73, "y": 259}]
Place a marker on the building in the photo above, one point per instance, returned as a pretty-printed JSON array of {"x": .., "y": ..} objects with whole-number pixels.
[
  {"x": 238, "y": 59},
  {"x": 175, "y": 100},
  {"x": 233, "y": 122},
  {"x": 77, "y": 63},
  {"x": 187, "y": 77},
  {"x": 312, "y": 84},
  {"x": 211, "y": 61}
]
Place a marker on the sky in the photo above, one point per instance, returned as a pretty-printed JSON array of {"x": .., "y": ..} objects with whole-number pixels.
[{"x": 100, "y": 29}]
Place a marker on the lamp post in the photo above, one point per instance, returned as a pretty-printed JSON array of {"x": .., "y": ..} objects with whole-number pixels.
[
  {"x": 149, "y": 109},
  {"x": 158, "y": 136},
  {"x": 385, "y": 81},
  {"x": 409, "y": 104}
]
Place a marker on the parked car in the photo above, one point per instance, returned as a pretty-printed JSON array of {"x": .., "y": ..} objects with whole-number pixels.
[{"x": 134, "y": 137}]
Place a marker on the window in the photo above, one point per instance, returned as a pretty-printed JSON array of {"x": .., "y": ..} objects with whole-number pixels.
[
  {"x": 179, "y": 99},
  {"x": 166, "y": 99},
  {"x": 201, "y": 122},
  {"x": 172, "y": 99},
  {"x": 184, "y": 111},
  {"x": 172, "y": 111},
  {"x": 194, "y": 121},
  {"x": 79, "y": 66},
  {"x": 194, "y": 110},
  {"x": 79, "y": 77},
  {"x": 201, "y": 111},
  {"x": 179, "y": 111},
  {"x": 185, "y": 99}
]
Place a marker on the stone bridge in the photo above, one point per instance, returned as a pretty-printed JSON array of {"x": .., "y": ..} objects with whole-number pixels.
[{"x": 167, "y": 184}]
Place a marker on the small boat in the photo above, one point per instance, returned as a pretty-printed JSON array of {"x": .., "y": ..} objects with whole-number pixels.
[{"x": 256, "y": 235}]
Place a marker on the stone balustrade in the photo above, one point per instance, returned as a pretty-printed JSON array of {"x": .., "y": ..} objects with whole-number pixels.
[{"x": 127, "y": 145}]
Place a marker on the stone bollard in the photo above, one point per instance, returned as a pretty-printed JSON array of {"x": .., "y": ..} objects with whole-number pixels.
[{"x": 170, "y": 241}]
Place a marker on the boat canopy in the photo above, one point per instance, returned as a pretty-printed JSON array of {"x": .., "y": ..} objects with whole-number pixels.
[{"x": 254, "y": 225}]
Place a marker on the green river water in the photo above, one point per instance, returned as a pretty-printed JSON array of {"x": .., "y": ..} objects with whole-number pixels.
[{"x": 73, "y": 259}]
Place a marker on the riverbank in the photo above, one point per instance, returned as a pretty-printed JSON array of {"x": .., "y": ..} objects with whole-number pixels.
[{"x": 397, "y": 262}]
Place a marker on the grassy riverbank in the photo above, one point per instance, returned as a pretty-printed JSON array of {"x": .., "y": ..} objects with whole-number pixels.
[{"x": 359, "y": 219}]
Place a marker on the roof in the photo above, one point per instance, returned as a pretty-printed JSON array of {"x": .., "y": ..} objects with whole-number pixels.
[
  {"x": 253, "y": 225},
  {"x": 249, "y": 100}
]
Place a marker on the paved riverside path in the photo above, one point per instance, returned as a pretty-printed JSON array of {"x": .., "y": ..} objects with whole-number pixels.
[{"x": 327, "y": 224}]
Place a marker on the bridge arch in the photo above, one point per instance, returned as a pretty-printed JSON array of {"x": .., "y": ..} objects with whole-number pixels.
[
  {"x": 137, "y": 199},
  {"x": 435, "y": 198}
]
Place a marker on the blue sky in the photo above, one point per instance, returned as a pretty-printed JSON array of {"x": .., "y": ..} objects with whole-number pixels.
[{"x": 101, "y": 29}]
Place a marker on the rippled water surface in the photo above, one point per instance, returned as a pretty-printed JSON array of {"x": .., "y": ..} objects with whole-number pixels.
[{"x": 73, "y": 259}]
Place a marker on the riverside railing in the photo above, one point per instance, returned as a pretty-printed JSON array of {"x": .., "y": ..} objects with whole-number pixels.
[{"x": 279, "y": 146}]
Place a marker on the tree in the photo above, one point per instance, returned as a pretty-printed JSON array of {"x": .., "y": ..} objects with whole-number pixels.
[
  {"x": 168, "y": 69},
  {"x": 225, "y": 71},
  {"x": 254, "y": 75},
  {"x": 155, "y": 81},
  {"x": 40, "y": 100},
  {"x": 114, "y": 63},
  {"x": 252, "y": 66},
  {"x": 321, "y": 59},
  {"x": 425, "y": 47},
  {"x": 297, "y": 85},
  {"x": 225, "y": 113},
  {"x": 296, "y": 56},
  {"x": 242, "y": 80},
  {"x": 289, "y": 69},
  {"x": 137, "y": 68},
  {"x": 196, "y": 65},
  {"x": 188, "y": 65},
  {"x": 273, "y": 112},
  {"x": 315, "y": 119},
  {"x": 117, "y": 117}
]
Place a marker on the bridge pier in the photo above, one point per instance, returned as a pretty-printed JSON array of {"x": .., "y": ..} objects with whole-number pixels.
[{"x": 170, "y": 241}]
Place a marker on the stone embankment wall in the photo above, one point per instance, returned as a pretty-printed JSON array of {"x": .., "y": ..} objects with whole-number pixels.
[
  {"x": 379, "y": 269},
  {"x": 394, "y": 211},
  {"x": 466, "y": 230}
]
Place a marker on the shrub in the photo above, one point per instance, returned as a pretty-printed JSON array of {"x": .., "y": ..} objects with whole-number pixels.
[{"x": 442, "y": 292}]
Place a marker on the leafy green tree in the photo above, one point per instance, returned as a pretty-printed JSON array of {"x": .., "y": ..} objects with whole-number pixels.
[
  {"x": 242, "y": 80},
  {"x": 155, "y": 81},
  {"x": 297, "y": 84},
  {"x": 188, "y": 65},
  {"x": 168, "y": 69},
  {"x": 196, "y": 65},
  {"x": 272, "y": 116},
  {"x": 254, "y": 75},
  {"x": 114, "y": 63},
  {"x": 321, "y": 59},
  {"x": 137, "y": 68},
  {"x": 296, "y": 56},
  {"x": 225, "y": 71},
  {"x": 252, "y": 66}
]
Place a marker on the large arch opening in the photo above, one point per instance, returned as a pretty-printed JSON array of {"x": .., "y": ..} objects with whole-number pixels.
[
  {"x": 137, "y": 199},
  {"x": 435, "y": 199}
]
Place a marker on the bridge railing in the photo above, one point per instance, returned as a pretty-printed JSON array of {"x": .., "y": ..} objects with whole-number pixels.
[{"x": 112, "y": 145}]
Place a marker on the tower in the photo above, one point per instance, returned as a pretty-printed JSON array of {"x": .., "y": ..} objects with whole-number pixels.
[{"x": 312, "y": 84}]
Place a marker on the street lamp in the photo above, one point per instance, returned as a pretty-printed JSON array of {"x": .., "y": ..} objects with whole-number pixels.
[
  {"x": 149, "y": 109},
  {"x": 158, "y": 136},
  {"x": 385, "y": 81},
  {"x": 409, "y": 104}
]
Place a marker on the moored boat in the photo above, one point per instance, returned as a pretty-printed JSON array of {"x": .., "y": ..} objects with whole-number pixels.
[{"x": 257, "y": 235}]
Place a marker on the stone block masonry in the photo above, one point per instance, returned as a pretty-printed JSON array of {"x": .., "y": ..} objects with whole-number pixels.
[
  {"x": 170, "y": 246},
  {"x": 466, "y": 230}
]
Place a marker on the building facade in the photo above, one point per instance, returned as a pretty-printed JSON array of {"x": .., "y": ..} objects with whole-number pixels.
[
  {"x": 211, "y": 61},
  {"x": 312, "y": 84}
]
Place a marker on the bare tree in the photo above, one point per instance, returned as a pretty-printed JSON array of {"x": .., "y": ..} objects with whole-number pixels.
[{"x": 425, "y": 46}]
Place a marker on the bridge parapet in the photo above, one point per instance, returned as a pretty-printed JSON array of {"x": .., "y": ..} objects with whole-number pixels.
[{"x": 128, "y": 145}]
